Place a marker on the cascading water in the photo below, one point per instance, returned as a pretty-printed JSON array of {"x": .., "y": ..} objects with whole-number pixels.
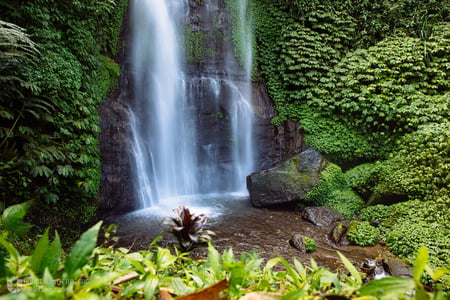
[{"x": 191, "y": 132}]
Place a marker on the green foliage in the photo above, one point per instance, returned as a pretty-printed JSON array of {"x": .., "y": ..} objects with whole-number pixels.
[
  {"x": 81, "y": 253},
  {"x": 193, "y": 43},
  {"x": 94, "y": 272},
  {"x": 12, "y": 222},
  {"x": 362, "y": 233},
  {"x": 242, "y": 31},
  {"x": 367, "y": 81},
  {"x": 358, "y": 179},
  {"x": 310, "y": 244},
  {"x": 333, "y": 191},
  {"x": 49, "y": 121},
  {"x": 408, "y": 225},
  {"x": 375, "y": 213}
]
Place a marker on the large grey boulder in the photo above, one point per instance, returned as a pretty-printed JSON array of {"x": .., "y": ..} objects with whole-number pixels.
[{"x": 288, "y": 182}]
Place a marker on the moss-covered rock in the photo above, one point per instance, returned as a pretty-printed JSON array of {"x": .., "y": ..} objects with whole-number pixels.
[{"x": 289, "y": 182}]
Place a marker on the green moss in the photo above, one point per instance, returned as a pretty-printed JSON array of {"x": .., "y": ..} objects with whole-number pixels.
[
  {"x": 310, "y": 244},
  {"x": 193, "y": 43}
]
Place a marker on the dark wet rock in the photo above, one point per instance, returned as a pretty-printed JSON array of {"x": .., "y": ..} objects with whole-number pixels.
[
  {"x": 288, "y": 182},
  {"x": 338, "y": 233},
  {"x": 397, "y": 267},
  {"x": 296, "y": 241},
  {"x": 274, "y": 143},
  {"x": 320, "y": 216}
]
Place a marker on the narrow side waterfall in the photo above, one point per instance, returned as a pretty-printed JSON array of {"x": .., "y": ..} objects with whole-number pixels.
[{"x": 191, "y": 130}]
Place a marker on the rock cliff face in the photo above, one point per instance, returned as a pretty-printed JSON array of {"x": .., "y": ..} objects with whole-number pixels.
[{"x": 272, "y": 144}]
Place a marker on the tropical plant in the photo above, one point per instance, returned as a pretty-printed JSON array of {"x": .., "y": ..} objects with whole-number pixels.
[
  {"x": 11, "y": 220},
  {"x": 188, "y": 228}
]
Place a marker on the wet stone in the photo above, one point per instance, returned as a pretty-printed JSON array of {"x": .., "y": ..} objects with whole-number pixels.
[{"x": 320, "y": 216}]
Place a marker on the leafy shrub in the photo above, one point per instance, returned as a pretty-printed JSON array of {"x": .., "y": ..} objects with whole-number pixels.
[
  {"x": 408, "y": 225},
  {"x": 332, "y": 191},
  {"x": 417, "y": 170},
  {"x": 52, "y": 147},
  {"x": 362, "y": 233},
  {"x": 375, "y": 213},
  {"x": 358, "y": 179},
  {"x": 346, "y": 202}
]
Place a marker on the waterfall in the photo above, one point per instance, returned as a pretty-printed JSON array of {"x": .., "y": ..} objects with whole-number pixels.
[{"x": 191, "y": 131}]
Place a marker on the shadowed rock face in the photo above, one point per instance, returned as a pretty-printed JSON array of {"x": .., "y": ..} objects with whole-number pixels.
[
  {"x": 272, "y": 144},
  {"x": 288, "y": 182}
]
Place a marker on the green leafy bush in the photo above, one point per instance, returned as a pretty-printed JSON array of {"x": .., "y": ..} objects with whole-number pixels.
[
  {"x": 362, "y": 233},
  {"x": 375, "y": 213},
  {"x": 408, "y": 225},
  {"x": 49, "y": 120},
  {"x": 333, "y": 191}
]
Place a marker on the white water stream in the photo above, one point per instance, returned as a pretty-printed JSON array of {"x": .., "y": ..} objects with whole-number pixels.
[{"x": 177, "y": 157}]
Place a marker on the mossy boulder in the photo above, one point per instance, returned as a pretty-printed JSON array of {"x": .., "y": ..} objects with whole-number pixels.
[{"x": 288, "y": 182}]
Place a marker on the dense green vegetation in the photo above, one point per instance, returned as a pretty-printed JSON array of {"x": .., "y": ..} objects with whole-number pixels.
[
  {"x": 51, "y": 89},
  {"x": 368, "y": 83},
  {"x": 366, "y": 80}
]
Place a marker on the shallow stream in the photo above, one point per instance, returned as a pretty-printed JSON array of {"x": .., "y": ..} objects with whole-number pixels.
[{"x": 244, "y": 228}]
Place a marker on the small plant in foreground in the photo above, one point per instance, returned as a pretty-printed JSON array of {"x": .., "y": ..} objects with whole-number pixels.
[{"x": 188, "y": 228}]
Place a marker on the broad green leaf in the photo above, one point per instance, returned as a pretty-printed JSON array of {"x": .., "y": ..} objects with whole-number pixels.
[
  {"x": 228, "y": 258},
  {"x": 180, "y": 287},
  {"x": 38, "y": 254},
  {"x": 388, "y": 285},
  {"x": 351, "y": 268},
  {"x": 295, "y": 277},
  {"x": 13, "y": 253},
  {"x": 297, "y": 294},
  {"x": 100, "y": 279},
  {"x": 214, "y": 261},
  {"x": 51, "y": 260},
  {"x": 133, "y": 288},
  {"x": 150, "y": 287},
  {"x": 421, "y": 262},
  {"x": 12, "y": 218},
  {"x": 47, "y": 280},
  {"x": 436, "y": 274},
  {"x": 81, "y": 251},
  {"x": 164, "y": 258},
  {"x": 300, "y": 269},
  {"x": 271, "y": 263}
]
